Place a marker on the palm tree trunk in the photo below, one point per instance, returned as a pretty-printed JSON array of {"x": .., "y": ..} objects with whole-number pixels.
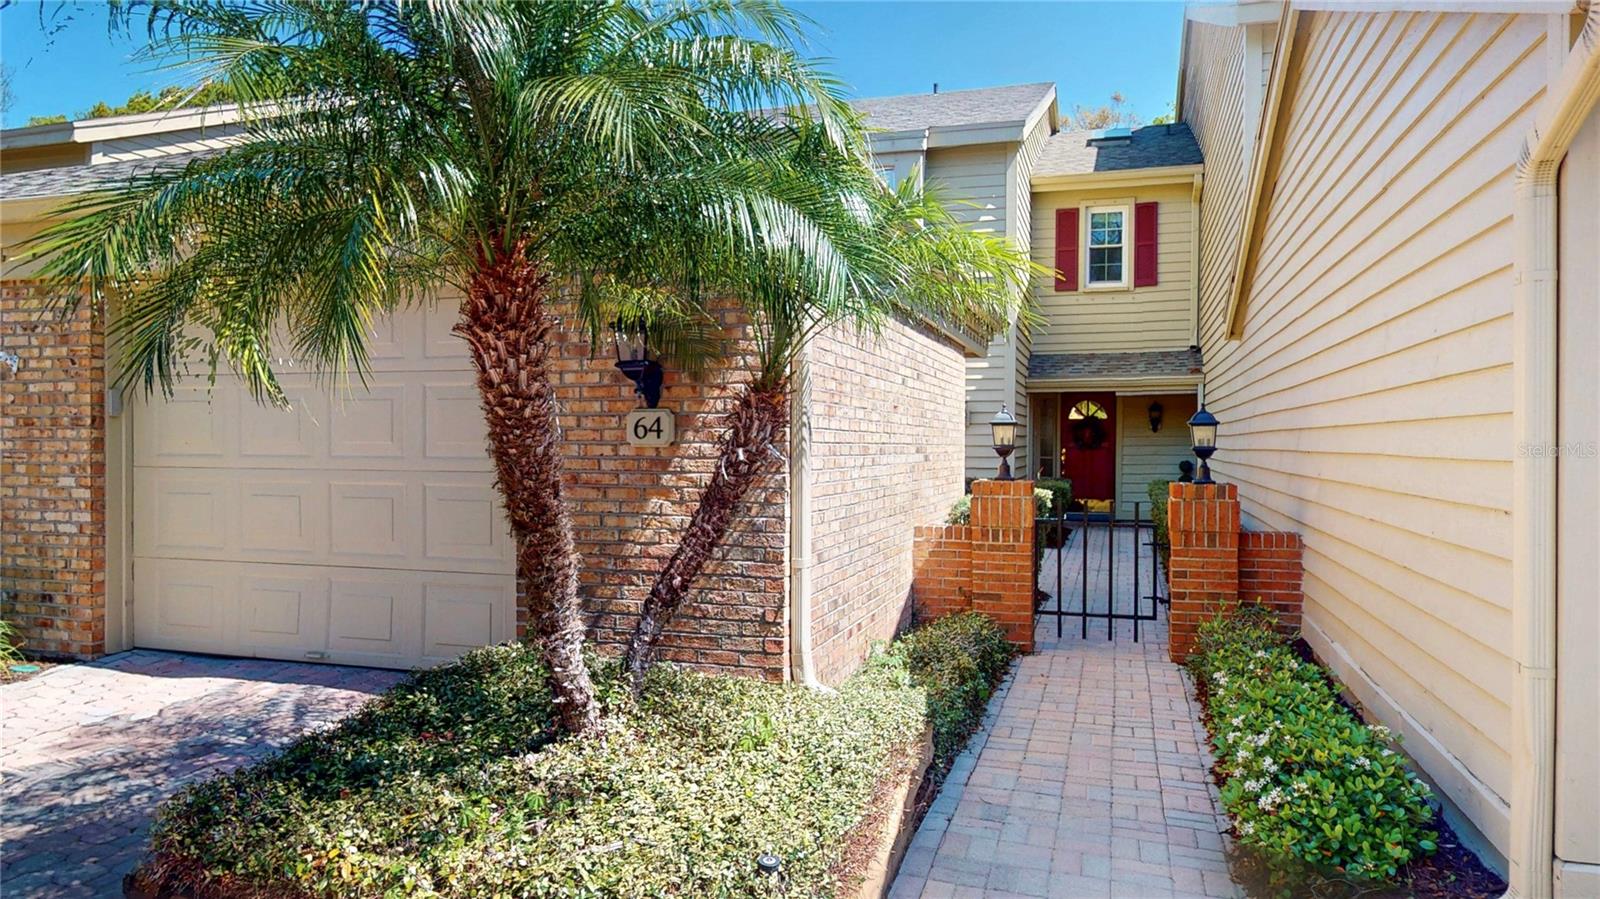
[
  {"x": 505, "y": 321},
  {"x": 757, "y": 418}
]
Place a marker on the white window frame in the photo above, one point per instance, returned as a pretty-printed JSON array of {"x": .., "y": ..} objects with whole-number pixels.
[{"x": 1126, "y": 209}]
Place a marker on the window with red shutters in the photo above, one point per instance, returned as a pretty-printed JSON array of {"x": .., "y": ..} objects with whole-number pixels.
[
  {"x": 1066, "y": 249},
  {"x": 1144, "y": 245}
]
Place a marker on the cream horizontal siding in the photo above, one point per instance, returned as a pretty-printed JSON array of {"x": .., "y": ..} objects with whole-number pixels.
[
  {"x": 1368, "y": 404},
  {"x": 973, "y": 180},
  {"x": 1144, "y": 455},
  {"x": 1021, "y": 225},
  {"x": 1214, "y": 108},
  {"x": 152, "y": 146},
  {"x": 1112, "y": 321}
]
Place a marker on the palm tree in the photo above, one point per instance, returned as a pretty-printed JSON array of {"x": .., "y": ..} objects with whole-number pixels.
[
  {"x": 905, "y": 255},
  {"x": 521, "y": 152}
]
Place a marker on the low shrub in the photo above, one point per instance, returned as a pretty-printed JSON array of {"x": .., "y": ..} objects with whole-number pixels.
[
  {"x": 957, "y": 660},
  {"x": 1157, "y": 490},
  {"x": 961, "y": 511},
  {"x": 451, "y": 784},
  {"x": 1060, "y": 494},
  {"x": 1303, "y": 776}
]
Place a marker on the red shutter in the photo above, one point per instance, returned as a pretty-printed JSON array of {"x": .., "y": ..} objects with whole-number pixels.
[
  {"x": 1144, "y": 245},
  {"x": 1066, "y": 250}
]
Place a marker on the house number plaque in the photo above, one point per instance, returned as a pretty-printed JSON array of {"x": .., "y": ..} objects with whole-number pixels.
[{"x": 650, "y": 427}]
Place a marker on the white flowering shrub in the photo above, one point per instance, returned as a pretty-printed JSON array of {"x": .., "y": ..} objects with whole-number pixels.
[{"x": 1304, "y": 776}]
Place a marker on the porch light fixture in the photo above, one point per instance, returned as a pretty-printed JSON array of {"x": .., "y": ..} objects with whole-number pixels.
[
  {"x": 1156, "y": 413},
  {"x": 633, "y": 360},
  {"x": 1003, "y": 427},
  {"x": 1203, "y": 435}
]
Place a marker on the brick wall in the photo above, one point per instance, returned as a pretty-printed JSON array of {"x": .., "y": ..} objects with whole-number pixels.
[
  {"x": 1270, "y": 572},
  {"x": 631, "y": 504},
  {"x": 1215, "y": 563},
  {"x": 52, "y": 476},
  {"x": 887, "y": 454},
  {"x": 985, "y": 565}
]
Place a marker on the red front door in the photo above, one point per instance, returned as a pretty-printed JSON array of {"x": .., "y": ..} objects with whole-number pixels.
[{"x": 1089, "y": 444}]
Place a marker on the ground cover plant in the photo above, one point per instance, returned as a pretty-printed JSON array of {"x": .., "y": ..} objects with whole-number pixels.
[
  {"x": 1302, "y": 776},
  {"x": 454, "y": 783}
]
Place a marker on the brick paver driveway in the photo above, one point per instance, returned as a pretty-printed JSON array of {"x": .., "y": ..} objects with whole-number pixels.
[
  {"x": 87, "y": 752},
  {"x": 1090, "y": 778}
]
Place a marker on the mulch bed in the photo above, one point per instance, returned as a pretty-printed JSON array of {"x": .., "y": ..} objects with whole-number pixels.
[
  {"x": 1452, "y": 872},
  {"x": 7, "y": 676}
]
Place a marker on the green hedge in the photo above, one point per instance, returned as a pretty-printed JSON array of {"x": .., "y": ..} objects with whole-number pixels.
[
  {"x": 961, "y": 511},
  {"x": 1158, "y": 513},
  {"x": 1060, "y": 493},
  {"x": 1304, "y": 777},
  {"x": 450, "y": 784}
]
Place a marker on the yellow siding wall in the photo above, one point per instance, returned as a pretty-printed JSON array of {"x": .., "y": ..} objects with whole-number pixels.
[
  {"x": 1018, "y": 178},
  {"x": 1117, "y": 321},
  {"x": 1368, "y": 405},
  {"x": 1213, "y": 106},
  {"x": 1144, "y": 455}
]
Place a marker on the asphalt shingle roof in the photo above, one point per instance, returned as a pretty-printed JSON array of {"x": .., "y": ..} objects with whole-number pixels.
[
  {"x": 66, "y": 181},
  {"x": 1110, "y": 366},
  {"x": 1153, "y": 146},
  {"x": 1010, "y": 103}
]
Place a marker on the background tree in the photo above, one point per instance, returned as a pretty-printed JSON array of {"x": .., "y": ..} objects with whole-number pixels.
[
  {"x": 905, "y": 255},
  {"x": 520, "y": 152},
  {"x": 1111, "y": 115}
]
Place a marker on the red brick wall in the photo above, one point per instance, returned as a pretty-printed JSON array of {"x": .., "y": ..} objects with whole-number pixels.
[
  {"x": 887, "y": 455},
  {"x": 1215, "y": 563},
  {"x": 1270, "y": 573},
  {"x": 52, "y": 476},
  {"x": 630, "y": 505},
  {"x": 984, "y": 566}
]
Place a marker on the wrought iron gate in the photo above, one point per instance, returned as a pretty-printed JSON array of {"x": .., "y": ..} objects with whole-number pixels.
[{"x": 1073, "y": 533}]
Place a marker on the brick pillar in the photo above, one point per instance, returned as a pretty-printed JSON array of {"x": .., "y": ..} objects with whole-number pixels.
[
  {"x": 1203, "y": 524},
  {"x": 1002, "y": 556},
  {"x": 985, "y": 565}
]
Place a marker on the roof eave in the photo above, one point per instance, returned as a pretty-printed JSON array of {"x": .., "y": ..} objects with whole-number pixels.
[
  {"x": 1129, "y": 384},
  {"x": 1167, "y": 174},
  {"x": 87, "y": 131}
]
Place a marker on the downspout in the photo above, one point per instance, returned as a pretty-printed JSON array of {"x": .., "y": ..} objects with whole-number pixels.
[
  {"x": 802, "y": 667},
  {"x": 1533, "y": 516}
]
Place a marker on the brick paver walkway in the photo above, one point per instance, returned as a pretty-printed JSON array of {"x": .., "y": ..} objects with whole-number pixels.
[
  {"x": 88, "y": 751},
  {"x": 1090, "y": 777}
]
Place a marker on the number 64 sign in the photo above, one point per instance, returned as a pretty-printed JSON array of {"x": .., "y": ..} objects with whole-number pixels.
[{"x": 650, "y": 427}]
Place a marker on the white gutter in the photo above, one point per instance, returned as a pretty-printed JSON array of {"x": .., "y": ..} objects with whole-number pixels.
[
  {"x": 1533, "y": 517},
  {"x": 802, "y": 667}
]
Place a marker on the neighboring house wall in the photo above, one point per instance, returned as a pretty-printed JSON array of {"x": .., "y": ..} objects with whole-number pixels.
[
  {"x": 1214, "y": 107},
  {"x": 1116, "y": 320},
  {"x": 1019, "y": 229},
  {"x": 1144, "y": 455},
  {"x": 885, "y": 459},
  {"x": 1368, "y": 405},
  {"x": 53, "y": 553},
  {"x": 974, "y": 180}
]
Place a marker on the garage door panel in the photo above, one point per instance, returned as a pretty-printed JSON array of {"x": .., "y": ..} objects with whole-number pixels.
[
  {"x": 464, "y": 525},
  {"x": 183, "y": 513},
  {"x": 459, "y": 615},
  {"x": 375, "y": 620},
  {"x": 183, "y": 605},
  {"x": 189, "y": 427},
  {"x": 360, "y": 525},
  {"x": 281, "y": 614},
  {"x": 282, "y": 517}
]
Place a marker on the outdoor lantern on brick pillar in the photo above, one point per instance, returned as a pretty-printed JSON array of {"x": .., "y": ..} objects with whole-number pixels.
[
  {"x": 1004, "y": 429},
  {"x": 633, "y": 360},
  {"x": 1203, "y": 434}
]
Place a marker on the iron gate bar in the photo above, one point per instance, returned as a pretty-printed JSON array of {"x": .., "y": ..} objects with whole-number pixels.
[{"x": 1111, "y": 615}]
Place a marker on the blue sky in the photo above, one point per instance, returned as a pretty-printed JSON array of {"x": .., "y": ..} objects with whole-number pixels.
[{"x": 67, "y": 62}]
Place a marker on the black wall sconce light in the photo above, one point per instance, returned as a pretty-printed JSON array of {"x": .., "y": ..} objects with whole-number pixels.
[
  {"x": 633, "y": 360},
  {"x": 1156, "y": 413}
]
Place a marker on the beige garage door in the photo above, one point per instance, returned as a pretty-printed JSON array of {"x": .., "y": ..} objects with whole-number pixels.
[{"x": 360, "y": 528}]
